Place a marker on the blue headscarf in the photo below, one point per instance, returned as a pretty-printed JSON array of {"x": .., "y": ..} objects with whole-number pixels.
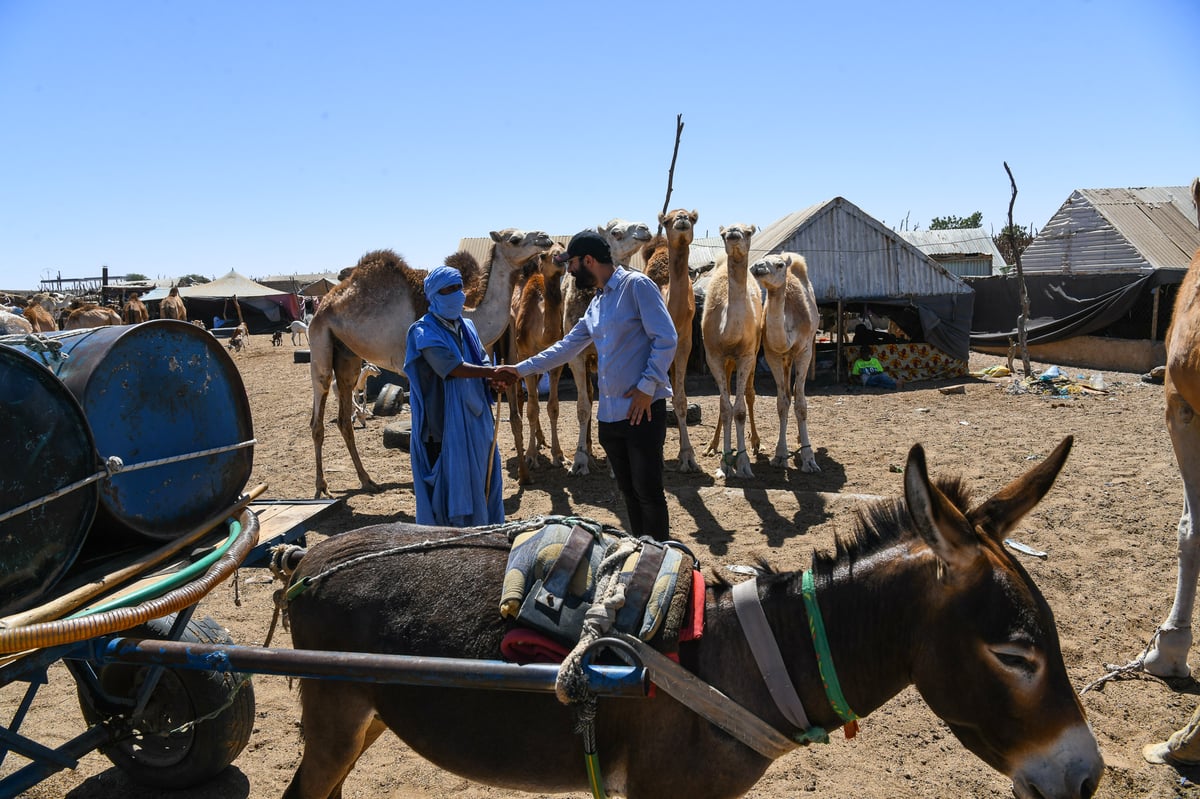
[{"x": 447, "y": 306}]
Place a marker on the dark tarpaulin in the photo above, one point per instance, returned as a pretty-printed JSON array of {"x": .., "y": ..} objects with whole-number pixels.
[
  {"x": 1062, "y": 306},
  {"x": 945, "y": 320}
]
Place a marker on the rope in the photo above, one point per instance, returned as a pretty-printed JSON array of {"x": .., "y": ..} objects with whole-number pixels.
[
  {"x": 45, "y": 346},
  {"x": 114, "y": 465},
  {"x": 1135, "y": 666},
  {"x": 571, "y": 687}
]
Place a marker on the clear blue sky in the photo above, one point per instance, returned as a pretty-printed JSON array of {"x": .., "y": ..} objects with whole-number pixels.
[{"x": 168, "y": 138}]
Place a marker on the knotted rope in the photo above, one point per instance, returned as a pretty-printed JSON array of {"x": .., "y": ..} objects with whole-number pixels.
[{"x": 571, "y": 687}]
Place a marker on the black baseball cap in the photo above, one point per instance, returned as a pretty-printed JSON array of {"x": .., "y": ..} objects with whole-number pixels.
[{"x": 586, "y": 242}]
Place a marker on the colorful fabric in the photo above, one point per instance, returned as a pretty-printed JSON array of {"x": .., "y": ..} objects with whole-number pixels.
[{"x": 909, "y": 362}]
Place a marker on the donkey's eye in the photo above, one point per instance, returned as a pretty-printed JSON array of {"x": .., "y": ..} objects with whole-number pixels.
[{"x": 1015, "y": 658}]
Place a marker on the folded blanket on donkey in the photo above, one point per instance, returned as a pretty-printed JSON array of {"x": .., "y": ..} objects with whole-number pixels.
[{"x": 550, "y": 583}]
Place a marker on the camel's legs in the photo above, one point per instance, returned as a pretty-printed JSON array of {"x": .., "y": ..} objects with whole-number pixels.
[
  {"x": 1168, "y": 655},
  {"x": 556, "y": 453},
  {"x": 346, "y": 367},
  {"x": 583, "y": 412},
  {"x": 742, "y": 406},
  {"x": 321, "y": 374},
  {"x": 779, "y": 371},
  {"x": 514, "y": 421},
  {"x": 687, "y": 455},
  {"x": 338, "y": 727},
  {"x": 805, "y": 458},
  {"x": 532, "y": 409}
]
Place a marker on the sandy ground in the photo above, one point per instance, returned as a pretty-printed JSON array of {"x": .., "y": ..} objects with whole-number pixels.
[{"x": 1108, "y": 526}]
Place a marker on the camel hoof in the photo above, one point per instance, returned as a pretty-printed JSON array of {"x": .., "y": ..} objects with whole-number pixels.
[
  {"x": 808, "y": 465},
  {"x": 687, "y": 462},
  {"x": 779, "y": 461},
  {"x": 580, "y": 467},
  {"x": 1168, "y": 657},
  {"x": 371, "y": 486}
]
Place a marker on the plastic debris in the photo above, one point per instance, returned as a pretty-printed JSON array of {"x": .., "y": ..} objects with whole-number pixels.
[{"x": 1024, "y": 548}]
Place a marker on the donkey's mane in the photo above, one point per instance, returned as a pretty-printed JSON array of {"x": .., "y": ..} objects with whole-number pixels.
[{"x": 879, "y": 525}]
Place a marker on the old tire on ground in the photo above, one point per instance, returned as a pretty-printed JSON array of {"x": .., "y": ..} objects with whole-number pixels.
[
  {"x": 691, "y": 417},
  {"x": 301, "y": 356},
  {"x": 390, "y": 400},
  {"x": 398, "y": 435},
  {"x": 155, "y": 752}
]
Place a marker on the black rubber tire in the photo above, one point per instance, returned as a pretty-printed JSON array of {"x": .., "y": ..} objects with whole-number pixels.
[
  {"x": 205, "y": 749},
  {"x": 389, "y": 401},
  {"x": 398, "y": 435},
  {"x": 301, "y": 356}
]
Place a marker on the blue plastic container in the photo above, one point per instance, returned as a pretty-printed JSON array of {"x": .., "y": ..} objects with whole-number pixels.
[
  {"x": 159, "y": 390},
  {"x": 45, "y": 445}
]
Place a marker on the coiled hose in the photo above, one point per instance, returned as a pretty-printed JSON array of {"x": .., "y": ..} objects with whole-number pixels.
[{"x": 67, "y": 631}]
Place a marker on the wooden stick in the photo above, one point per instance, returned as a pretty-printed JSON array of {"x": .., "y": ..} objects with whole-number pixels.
[
  {"x": 671, "y": 171},
  {"x": 62, "y": 605},
  {"x": 487, "y": 483}
]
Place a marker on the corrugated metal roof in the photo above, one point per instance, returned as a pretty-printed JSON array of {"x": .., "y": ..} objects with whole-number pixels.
[
  {"x": 851, "y": 255},
  {"x": 956, "y": 242},
  {"x": 1117, "y": 230}
]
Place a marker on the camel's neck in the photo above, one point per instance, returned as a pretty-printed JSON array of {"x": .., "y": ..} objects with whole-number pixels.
[
  {"x": 739, "y": 273},
  {"x": 491, "y": 315},
  {"x": 677, "y": 262}
]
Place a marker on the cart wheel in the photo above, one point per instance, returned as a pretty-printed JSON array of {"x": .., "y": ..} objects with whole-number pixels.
[{"x": 158, "y": 750}]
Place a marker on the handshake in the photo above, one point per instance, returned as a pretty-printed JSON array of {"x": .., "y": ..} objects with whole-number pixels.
[{"x": 502, "y": 377}]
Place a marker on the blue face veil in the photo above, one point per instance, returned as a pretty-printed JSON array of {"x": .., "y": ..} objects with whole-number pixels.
[{"x": 447, "y": 306}]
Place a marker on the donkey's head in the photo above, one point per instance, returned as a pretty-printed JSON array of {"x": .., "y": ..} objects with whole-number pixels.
[{"x": 989, "y": 664}]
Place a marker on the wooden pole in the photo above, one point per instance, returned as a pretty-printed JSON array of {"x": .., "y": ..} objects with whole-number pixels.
[
  {"x": 1023, "y": 317},
  {"x": 671, "y": 171},
  {"x": 487, "y": 483}
]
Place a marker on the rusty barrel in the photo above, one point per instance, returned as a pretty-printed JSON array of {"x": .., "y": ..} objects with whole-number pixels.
[
  {"x": 45, "y": 446},
  {"x": 156, "y": 396}
]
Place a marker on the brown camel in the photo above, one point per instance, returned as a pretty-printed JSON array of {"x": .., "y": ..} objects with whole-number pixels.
[
  {"x": 134, "y": 311},
  {"x": 172, "y": 307},
  {"x": 37, "y": 316},
  {"x": 536, "y": 323},
  {"x": 624, "y": 240},
  {"x": 367, "y": 316},
  {"x": 680, "y": 227},
  {"x": 732, "y": 328},
  {"x": 81, "y": 315},
  {"x": 1168, "y": 652},
  {"x": 789, "y": 329}
]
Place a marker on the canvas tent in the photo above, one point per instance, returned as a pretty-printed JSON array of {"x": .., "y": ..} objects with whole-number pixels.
[
  {"x": 853, "y": 259},
  {"x": 1107, "y": 263},
  {"x": 264, "y": 309}
]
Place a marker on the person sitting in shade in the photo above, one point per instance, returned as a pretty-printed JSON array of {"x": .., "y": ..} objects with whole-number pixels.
[{"x": 869, "y": 370}]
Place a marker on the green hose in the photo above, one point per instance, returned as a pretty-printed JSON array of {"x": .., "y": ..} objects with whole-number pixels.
[{"x": 168, "y": 582}]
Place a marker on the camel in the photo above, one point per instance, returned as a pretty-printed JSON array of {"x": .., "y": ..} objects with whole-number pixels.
[
  {"x": 680, "y": 227},
  {"x": 81, "y": 315},
  {"x": 298, "y": 329},
  {"x": 732, "y": 328},
  {"x": 367, "y": 316},
  {"x": 172, "y": 307},
  {"x": 1167, "y": 656},
  {"x": 134, "y": 311},
  {"x": 37, "y": 316},
  {"x": 12, "y": 324},
  {"x": 789, "y": 329},
  {"x": 624, "y": 240},
  {"x": 535, "y": 323}
]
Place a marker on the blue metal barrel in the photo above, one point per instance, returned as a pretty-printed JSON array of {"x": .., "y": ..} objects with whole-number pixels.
[
  {"x": 45, "y": 446},
  {"x": 159, "y": 391}
]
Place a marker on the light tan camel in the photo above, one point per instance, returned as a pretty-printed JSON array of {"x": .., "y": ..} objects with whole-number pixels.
[
  {"x": 624, "y": 240},
  {"x": 37, "y": 316},
  {"x": 172, "y": 306},
  {"x": 82, "y": 315},
  {"x": 536, "y": 323},
  {"x": 367, "y": 316},
  {"x": 134, "y": 311},
  {"x": 732, "y": 328},
  {"x": 1168, "y": 652},
  {"x": 789, "y": 330},
  {"x": 680, "y": 227}
]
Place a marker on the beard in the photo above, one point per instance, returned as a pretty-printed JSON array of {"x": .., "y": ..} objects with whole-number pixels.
[{"x": 585, "y": 279}]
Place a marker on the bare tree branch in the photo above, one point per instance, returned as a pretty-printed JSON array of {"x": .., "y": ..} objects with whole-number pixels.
[
  {"x": 671, "y": 172},
  {"x": 1023, "y": 318}
]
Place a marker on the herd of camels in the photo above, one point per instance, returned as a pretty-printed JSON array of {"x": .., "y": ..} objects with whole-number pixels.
[{"x": 523, "y": 293}]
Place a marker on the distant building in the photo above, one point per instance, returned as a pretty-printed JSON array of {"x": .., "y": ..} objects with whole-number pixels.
[{"x": 966, "y": 252}]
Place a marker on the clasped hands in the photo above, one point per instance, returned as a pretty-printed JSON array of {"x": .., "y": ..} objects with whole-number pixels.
[{"x": 503, "y": 376}]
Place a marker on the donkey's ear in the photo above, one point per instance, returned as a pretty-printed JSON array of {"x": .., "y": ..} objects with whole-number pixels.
[
  {"x": 1001, "y": 513},
  {"x": 939, "y": 523}
]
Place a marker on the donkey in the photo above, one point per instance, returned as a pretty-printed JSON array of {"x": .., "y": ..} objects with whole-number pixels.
[{"x": 924, "y": 593}]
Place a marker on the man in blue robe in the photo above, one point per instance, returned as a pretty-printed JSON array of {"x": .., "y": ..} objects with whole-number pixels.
[{"x": 453, "y": 434}]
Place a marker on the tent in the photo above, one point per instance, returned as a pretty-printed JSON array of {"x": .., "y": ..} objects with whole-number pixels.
[
  {"x": 320, "y": 287},
  {"x": 263, "y": 308}
]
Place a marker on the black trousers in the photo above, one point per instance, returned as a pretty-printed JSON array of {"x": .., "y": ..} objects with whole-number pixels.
[{"x": 635, "y": 453}]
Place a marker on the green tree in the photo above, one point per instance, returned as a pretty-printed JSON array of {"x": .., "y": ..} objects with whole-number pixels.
[
  {"x": 192, "y": 280},
  {"x": 131, "y": 276},
  {"x": 1008, "y": 237},
  {"x": 954, "y": 222}
]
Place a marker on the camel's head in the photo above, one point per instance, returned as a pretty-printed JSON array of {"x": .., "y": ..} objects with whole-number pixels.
[
  {"x": 737, "y": 238},
  {"x": 680, "y": 225},
  {"x": 771, "y": 272},
  {"x": 624, "y": 238},
  {"x": 519, "y": 246}
]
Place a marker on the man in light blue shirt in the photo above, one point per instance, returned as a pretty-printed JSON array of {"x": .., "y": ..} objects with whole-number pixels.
[{"x": 635, "y": 344}]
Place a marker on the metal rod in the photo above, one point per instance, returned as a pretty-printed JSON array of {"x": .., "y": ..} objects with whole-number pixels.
[{"x": 495, "y": 675}]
